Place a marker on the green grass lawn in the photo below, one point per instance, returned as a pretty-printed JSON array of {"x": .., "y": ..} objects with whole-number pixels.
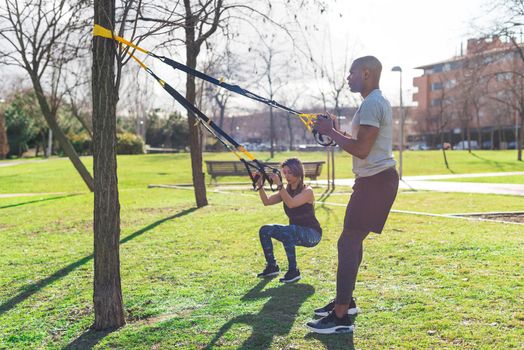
[
  {"x": 58, "y": 175},
  {"x": 188, "y": 274}
]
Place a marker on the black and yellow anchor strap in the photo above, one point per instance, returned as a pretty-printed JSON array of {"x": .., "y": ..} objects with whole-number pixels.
[
  {"x": 308, "y": 119},
  {"x": 254, "y": 168}
]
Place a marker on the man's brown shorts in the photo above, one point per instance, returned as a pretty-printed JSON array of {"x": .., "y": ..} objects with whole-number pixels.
[{"x": 371, "y": 201}]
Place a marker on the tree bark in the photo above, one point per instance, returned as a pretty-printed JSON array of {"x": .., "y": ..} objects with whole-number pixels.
[
  {"x": 444, "y": 150},
  {"x": 290, "y": 131},
  {"x": 192, "y": 51},
  {"x": 107, "y": 296},
  {"x": 60, "y": 136}
]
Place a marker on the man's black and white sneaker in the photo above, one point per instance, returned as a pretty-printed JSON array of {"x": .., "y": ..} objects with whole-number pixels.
[
  {"x": 331, "y": 324},
  {"x": 291, "y": 276},
  {"x": 324, "y": 311},
  {"x": 270, "y": 270}
]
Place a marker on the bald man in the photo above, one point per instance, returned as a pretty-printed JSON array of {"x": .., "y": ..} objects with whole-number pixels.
[{"x": 374, "y": 191}]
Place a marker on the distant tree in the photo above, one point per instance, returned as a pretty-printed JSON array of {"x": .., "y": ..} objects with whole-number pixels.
[
  {"x": 23, "y": 121},
  {"x": 20, "y": 130},
  {"x": 223, "y": 65},
  {"x": 510, "y": 92},
  {"x": 274, "y": 76},
  {"x": 137, "y": 99},
  {"x": 509, "y": 23},
  {"x": 78, "y": 96},
  {"x": 469, "y": 91},
  {"x": 440, "y": 114},
  {"x": 42, "y": 37},
  {"x": 170, "y": 132}
]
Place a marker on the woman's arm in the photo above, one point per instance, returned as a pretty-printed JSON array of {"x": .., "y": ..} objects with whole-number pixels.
[
  {"x": 273, "y": 199},
  {"x": 306, "y": 196}
]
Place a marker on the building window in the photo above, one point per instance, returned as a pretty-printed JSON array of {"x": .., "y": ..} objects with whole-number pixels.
[
  {"x": 450, "y": 83},
  {"x": 436, "y": 102},
  {"x": 436, "y": 86},
  {"x": 504, "y": 76},
  {"x": 509, "y": 56},
  {"x": 456, "y": 65},
  {"x": 437, "y": 68},
  {"x": 488, "y": 59}
]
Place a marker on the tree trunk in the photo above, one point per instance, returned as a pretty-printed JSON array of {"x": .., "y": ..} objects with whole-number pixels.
[
  {"x": 4, "y": 145},
  {"x": 290, "y": 130},
  {"x": 76, "y": 113},
  {"x": 479, "y": 129},
  {"x": 194, "y": 132},
  {"x": 468, "y": 135},
  {"x": 222, "y": 114},
  {"x": 61, "y": 137},
  {"x": 109, "y": 311},
  {"x": 444, "y": 150}
]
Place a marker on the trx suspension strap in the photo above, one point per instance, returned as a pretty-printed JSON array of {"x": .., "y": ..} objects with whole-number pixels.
[
  {"x": 307, "y": 119},
  {"x": 255, "y": 168}
]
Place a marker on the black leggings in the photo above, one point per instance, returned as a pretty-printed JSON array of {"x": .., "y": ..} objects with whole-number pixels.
[{"x": 349, "y": 258}]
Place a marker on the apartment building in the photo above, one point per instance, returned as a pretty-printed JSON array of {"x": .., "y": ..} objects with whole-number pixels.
[{"x": 475, "y": 96}]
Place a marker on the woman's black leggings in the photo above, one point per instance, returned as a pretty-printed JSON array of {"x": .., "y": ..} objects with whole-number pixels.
[
  {"x": 290, "y": 236},
  {"x": 349, "y": 258}
]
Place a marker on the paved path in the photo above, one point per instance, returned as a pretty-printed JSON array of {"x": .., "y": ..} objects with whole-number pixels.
[{"x": 416, "y": 183}]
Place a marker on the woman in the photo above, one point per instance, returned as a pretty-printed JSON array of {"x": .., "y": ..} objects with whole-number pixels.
[{"x": 303, "y": 229}]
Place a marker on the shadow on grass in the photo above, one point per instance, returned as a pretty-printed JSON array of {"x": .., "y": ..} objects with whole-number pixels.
[
  {"x": 410, "y": 189},
  {"x": 32, "y": 288},
  {"x": 88, "y": 340},
  {"x": 321, "y": 206},
  {"x": 325, "y": 195},
  {"x": 276, "y": 317},
  {"x": 39, "y": 200},
  {"x": 498, "y": 165}
]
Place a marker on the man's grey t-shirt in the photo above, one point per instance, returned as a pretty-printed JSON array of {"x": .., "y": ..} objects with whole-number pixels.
[{"x": 375, "y": 111}]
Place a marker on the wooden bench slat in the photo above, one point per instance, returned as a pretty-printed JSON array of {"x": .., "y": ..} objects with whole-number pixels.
[{"x": 312, "y": 169}]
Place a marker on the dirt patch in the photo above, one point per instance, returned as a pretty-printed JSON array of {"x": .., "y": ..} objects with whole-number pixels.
[
  {"x": 505, "y": 217},
  {"x": 158, "y": 210},
  {"x": 508, "y": 217}
]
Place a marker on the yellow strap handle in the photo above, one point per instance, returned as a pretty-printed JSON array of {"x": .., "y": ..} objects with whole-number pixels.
[
  {"x": 308, "y": 119},
  {"x": 98, "y": 30}
]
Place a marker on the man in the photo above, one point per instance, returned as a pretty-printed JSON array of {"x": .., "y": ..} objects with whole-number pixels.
[{"x": 375, "y": 188}]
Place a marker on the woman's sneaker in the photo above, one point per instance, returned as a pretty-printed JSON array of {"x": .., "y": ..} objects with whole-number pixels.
[
  {"x": 324, "y": 311},
  {"x": 291, "y": 276},
  {"x": 331, "y": 324},
  {"x": 270, "y": 270}
]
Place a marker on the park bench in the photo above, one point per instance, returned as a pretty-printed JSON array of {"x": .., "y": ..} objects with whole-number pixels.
[{"x": 217, "y": 168}]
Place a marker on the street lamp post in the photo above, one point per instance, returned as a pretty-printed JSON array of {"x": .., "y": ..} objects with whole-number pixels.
[{"x": 401, "y": 137}]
